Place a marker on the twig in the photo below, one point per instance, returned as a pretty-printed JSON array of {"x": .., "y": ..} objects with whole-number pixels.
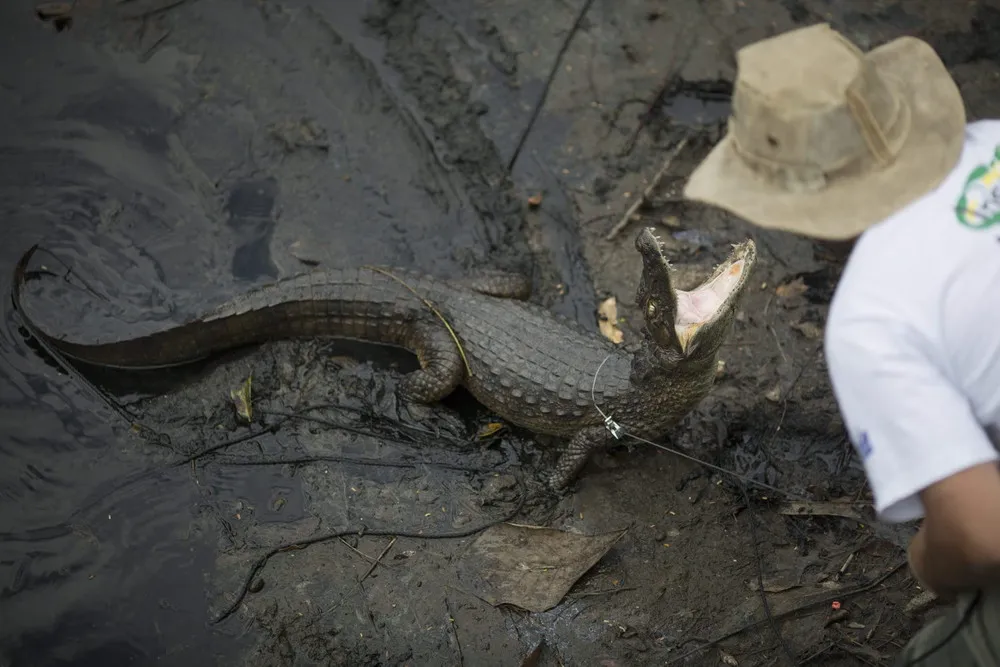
[
  {"x": 355, "y": 460},
  {"x": 847, "y": 563},
  {"x": 842, "y": 595},
  {"x": 606, "y": 591},
  {"x": 454, "y": 631},
  {"x": 752, "y": 518},
  {"x": 356, "y": 550},
  {"x": 647, "y": 193},
  {"x": 416, "y": 534},
  {"x": 378, "y": 561},
  {"x": 148, "y": 53},
  {"x": 823, "y": 649},
  {"x": 548, "y": 83},
  {"x": 156, "y": 10}
]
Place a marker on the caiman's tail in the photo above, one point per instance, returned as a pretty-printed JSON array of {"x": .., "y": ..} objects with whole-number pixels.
[{"x": 358, "y": 303}]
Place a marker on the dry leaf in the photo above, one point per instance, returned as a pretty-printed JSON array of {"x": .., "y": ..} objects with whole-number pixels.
[
  {"x": 607, "y": 314},
  {"x": 242, "y": 399},
  {"x": 840, "y": 508},
  {"x": 788, "y": 290},
  {"x": 534, "y": 201},
  {"x": 531, "y": 567},
  {"x": 490, "y": 429},
  {"x": 808, "y": 329},
  {"x": 728, "y": 659}
]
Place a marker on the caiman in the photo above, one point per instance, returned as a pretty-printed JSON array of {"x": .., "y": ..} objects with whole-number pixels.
[{"x": 533, "y": 368}]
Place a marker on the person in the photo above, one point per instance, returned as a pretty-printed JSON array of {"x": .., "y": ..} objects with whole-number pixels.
[{"x": 836, "y": 143}]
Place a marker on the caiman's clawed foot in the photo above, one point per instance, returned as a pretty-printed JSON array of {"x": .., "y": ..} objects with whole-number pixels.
[{"x": 576, "y": 455}]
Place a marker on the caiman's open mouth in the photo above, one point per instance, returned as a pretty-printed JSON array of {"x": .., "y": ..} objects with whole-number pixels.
[
  {"x": 703, "y": 304},
  {"x": 692, "y": 311}
]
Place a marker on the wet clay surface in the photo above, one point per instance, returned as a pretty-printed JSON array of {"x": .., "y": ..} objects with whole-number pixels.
[{"x": 176, "y": 153}]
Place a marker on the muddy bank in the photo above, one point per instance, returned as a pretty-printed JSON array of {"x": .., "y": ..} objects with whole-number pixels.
[{"x": 179, "y": 156}]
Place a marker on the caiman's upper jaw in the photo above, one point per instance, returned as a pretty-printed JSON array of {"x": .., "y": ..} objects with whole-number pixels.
[
  {"x": 655, "y": 294},
  {"x": 686, "y": 321}
]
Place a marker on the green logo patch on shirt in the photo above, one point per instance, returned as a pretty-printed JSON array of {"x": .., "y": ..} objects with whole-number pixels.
[{"x": 979, "y": 205}]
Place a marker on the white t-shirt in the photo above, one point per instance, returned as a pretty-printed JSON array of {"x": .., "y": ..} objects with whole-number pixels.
[{"x": 913, "y": 334}]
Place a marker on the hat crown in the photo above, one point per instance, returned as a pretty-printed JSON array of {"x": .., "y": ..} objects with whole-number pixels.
[{"x": 809, "y": 103}]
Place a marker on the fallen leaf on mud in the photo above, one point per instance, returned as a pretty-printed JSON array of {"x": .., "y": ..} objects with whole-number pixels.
[
  {"x": 774, "y": 395},
  {"x": 490, "y": 429},
  {"x": 531, "y": 567},
  {"x": 300, "y": 133},
  {"x": 727, "y": 659},
  {"x": 53, "y": 10},
  {"x": 242, "y": 399},
  {"x": 777, "y": 584},
  {"x": 607, "y": 318},
  {"x": 534, "y": 201},
  {"x": 843, "y": 509},
  {"x": 788, "y": 290},
  {"x": 808, "y": 329}
]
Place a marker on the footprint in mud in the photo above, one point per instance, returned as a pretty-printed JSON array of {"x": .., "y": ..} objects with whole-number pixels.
[{"x": 251, "y": 209}]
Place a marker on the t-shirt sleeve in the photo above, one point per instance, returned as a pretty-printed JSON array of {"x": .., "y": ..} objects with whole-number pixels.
[{"x": 908, "y": 423}]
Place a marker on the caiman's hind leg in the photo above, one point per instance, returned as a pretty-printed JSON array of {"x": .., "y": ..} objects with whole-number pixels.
[
  {"x": 441, "y": 367},
  {"x": 576, "y": 455},
  {"x": 499, "y": 283}
]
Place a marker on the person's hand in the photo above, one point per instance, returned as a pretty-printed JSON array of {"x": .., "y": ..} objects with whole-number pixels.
[{"x": 915, "y": 559}]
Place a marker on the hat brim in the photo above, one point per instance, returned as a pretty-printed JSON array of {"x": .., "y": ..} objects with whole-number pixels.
[{"x": 849, "y": 205}]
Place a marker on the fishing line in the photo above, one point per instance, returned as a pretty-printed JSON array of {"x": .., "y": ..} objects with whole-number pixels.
[{"x": 617, "y": 430}]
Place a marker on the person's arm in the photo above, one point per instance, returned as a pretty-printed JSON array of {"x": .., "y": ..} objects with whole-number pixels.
[
  {"x": 958, "y": 546},
  {"x": 924, "y": 452}
]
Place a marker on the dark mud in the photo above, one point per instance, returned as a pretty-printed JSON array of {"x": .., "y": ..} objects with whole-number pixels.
[{"x": 177, "y": 153}]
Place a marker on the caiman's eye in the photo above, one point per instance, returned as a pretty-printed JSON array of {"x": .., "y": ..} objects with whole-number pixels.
[{"x": 650, "y": 309}]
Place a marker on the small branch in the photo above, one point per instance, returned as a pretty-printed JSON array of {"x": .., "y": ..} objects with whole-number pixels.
[
  {"x": 454, "y": 631},
  {"x": 842, "y": 595},
  {"x": 378, "y": 561},
  {"x": 648, "y": 192}
]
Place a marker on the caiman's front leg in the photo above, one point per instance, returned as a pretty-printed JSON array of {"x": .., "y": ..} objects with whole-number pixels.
[
  {"x": 441, "y": 367},
  {"x": 577, "y": 453}
]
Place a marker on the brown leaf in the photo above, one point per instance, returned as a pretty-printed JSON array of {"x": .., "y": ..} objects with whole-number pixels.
[
  {"x": 810, "y": 330},
  {"x": 531, "y": 567},
  {"x": 490, "y": 429},
  {"x": 788, "y": 290},
  {"x": 607, "y": 314},
  {"x": 242, "y": 399}
]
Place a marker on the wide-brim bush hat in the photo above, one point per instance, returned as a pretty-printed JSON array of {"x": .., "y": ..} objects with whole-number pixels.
[{"x": 825, "y": 139}]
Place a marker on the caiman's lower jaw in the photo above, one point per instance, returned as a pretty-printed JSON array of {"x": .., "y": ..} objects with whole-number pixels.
[{"x": 706, "y": 303}]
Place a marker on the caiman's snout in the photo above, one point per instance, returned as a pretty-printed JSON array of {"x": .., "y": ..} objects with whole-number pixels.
[{"x": 695, "y": 321}]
